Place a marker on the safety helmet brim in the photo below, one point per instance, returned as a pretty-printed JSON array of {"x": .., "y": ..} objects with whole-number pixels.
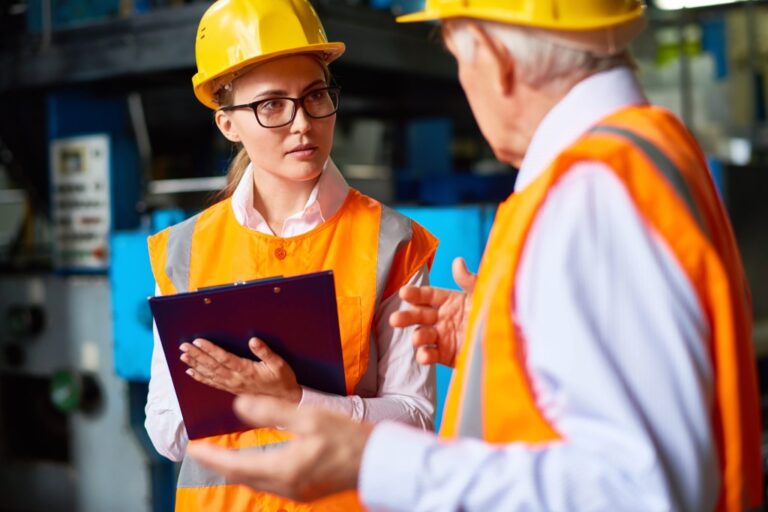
[
  {"x": 205, "y": 87},
  {"x": 454, "y": 11}
]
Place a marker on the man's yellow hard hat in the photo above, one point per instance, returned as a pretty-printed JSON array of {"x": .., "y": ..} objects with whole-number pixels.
[
  {"x": 235, "y": 34},
  {"x": 552, "y": 14},
  {"x": 602, "y": 26}
]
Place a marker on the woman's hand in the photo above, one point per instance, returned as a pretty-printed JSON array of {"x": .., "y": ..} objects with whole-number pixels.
[
  {"x": 220, "y": 369},
  {"x": 440, "y": 316}
]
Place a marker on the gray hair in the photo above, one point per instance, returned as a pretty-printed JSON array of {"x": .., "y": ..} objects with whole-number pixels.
[{"x": 542, "y": 62}]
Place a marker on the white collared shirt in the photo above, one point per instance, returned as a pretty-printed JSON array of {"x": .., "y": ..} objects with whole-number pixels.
[
  {"x": 395, "y": 387},
  {"x": 616, "y": 351},
  {"x": 316, "y": 210}
]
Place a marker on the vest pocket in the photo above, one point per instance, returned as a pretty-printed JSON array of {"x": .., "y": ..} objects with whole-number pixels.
[{"x": 353, "y": 343}]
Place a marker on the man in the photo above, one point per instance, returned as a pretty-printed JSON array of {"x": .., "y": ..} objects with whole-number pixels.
[{"x": 607, "y": 361}]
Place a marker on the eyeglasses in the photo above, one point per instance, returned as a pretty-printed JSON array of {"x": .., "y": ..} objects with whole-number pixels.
[{"x": 278, "y": 112}]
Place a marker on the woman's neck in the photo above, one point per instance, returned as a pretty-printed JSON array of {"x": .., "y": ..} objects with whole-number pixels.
[{"x": 277, "y": 198}]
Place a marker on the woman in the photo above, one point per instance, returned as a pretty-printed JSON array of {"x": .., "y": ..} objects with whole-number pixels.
[{"x": 262, "y": 66}]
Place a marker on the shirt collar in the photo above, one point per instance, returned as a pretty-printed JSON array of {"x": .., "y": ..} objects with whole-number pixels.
[
  {"x": 326, "y": 197},
  {"x": 589, "y": 101}
]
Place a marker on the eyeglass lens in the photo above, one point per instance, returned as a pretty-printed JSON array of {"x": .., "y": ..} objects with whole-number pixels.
[{"x": 281, "y": 111}]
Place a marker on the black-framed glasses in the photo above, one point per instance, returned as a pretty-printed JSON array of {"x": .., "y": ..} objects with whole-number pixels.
[{"x": 281, "y": 111}]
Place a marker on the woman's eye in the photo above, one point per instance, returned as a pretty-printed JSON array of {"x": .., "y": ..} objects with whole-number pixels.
[
  {"x": 316, "y": 95},
  {"x": 271, "y": 105}
]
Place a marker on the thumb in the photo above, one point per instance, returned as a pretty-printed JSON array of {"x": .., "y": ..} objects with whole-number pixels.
[
  {"x": 463, "y": 277},
  {"x": 264, "y": 411}
]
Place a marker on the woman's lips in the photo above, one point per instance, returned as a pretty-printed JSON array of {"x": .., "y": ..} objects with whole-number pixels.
[{"x": 303, "y": 152}]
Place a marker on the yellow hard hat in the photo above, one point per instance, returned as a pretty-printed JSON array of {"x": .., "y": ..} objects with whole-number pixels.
[
  {"x": 603, "y": 27},
  {"x": 234, "y": 34},
  {"x": 550, "y": 14}
]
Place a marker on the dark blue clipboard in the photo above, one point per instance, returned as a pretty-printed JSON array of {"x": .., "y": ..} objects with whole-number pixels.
[{"x": 295, "y": 316}]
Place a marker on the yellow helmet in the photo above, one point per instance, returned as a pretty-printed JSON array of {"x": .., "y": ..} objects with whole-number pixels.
[
  {"x": 234, "y": 34},
  {"x": 599, "y": 25}
]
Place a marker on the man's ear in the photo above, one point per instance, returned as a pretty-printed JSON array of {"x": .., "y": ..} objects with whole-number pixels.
[
  {"x": 226, "y": 127},
  {"x": 502, "y": 62}
]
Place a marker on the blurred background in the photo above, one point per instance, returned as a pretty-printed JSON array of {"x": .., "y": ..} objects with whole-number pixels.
[{"x": 102, "y": 143}]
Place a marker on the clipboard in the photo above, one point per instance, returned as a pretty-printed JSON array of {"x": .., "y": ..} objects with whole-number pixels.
[{"x": 295, "y": 316}]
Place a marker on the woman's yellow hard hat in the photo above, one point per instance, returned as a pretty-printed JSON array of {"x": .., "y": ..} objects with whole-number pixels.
[{"x": 235, "y": 34}]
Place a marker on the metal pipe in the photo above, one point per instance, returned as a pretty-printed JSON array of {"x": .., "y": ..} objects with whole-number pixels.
[
  {"x": 143, "y": 143},
  {"x": 47, "y": 22},
  {"x": 686, "y": 96},
  {"x": 755, "y": 78}
]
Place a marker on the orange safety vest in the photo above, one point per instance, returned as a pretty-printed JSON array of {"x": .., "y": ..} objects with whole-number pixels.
[
  {"x": 372, "y": 250},
  {"x": 666, "y": 176}
]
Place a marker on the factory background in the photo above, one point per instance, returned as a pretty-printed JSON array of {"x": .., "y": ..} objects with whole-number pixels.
[{"x": 102, "y": 143}]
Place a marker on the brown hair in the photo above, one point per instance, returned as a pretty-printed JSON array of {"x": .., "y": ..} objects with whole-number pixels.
[{"x": 239, "y": 163}]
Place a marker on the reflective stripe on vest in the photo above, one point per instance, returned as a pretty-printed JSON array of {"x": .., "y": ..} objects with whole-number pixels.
[
  {"x": 666, "y": 166},
  {"x": 194, "y": 474},
  {"x": 471, "y": 416},
  {"x": 179, "y": 253},
  {"x": 395, "y": 230}
]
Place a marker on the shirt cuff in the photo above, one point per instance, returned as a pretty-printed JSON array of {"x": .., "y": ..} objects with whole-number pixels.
[
  {"x": 391, "y": 467},
  {"x": 311, "y": 398}
]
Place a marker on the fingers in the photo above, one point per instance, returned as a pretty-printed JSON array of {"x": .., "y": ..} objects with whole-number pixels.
[
  {"x": 424, "y": 295},
  {"x": 428, "y": 354},
  {"x": 424, "y": 336},
  {"x": 218, "y": 354},
  {"x": 198, "y": 359},
  {"x": 415, "y": 316},
  {"x": 463, "y": 277},
  {"x": 263, "y": 352},
  {"x": 424, "y": 340},
  {"x": 263, "y": 411},
  {"x": 209, "y": 381}
]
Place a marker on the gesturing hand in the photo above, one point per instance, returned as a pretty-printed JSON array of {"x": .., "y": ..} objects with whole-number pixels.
[
  {"x": 441, "y": 316},
  {"x": 223, "y": 370},
  {"x": 323, "y": 458}
]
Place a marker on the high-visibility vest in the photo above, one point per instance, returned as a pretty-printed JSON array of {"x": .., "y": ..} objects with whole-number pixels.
[
  {"x": 372, "y": 250},
  {"x": 666, "y": 177}
]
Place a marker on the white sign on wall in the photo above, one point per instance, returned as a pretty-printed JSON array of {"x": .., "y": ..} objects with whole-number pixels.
[{"x": 81, "y": 202}]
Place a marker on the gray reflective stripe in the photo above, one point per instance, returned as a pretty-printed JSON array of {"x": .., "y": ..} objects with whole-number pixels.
[
  {"x": 369, "y": 382},
  {"x": 179, "y": 253},
  {"x": 663, "y": 164},
  {"x": 395, "y": 230},
  {"x": 471, "y": 412},
  {"x": 194, "y": 474}
]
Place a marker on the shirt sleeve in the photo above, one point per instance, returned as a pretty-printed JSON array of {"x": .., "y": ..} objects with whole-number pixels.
[
  {"x": 616, "y": 351},
  {"x": 164, "y": 422},
  {"x": 406, "y": 389}
]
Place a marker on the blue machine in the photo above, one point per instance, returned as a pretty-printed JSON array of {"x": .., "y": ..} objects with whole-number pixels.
[
  {"x": 132, "y": 283},
  {"x": 462, "y": 231},
  {"x": 94, "y": 178}
]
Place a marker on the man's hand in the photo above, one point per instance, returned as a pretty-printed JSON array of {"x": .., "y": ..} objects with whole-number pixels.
[
  {"x": 323, "y": 458},
  {"x": 441, "y": 316},
  {"x": 220, "y": 369}
]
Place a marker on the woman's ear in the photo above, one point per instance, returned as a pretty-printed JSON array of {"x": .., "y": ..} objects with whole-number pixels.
[
  {"x": 502, "y": 62},
  {"x": 226, "y": 126}
]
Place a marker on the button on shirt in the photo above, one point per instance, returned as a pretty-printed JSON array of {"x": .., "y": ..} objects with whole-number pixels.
[
  {"x": 616, "y": 352},
  {"x": 395, "y": 386}
]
